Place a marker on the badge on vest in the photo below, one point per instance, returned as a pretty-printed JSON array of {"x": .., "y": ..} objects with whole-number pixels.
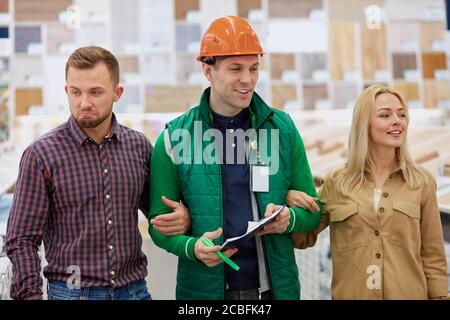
[{"x": 259, "y": 178}]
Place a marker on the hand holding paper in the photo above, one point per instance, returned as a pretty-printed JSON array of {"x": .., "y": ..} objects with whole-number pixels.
[
  {"x": 281, "y": 220},
  {"x": 254, "y": 227}
]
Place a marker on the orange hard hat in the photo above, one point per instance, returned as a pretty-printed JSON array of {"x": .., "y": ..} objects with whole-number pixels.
[{"x": 229, "y": 36}]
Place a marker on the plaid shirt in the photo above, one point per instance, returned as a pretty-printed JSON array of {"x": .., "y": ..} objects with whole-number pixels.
[{"x": 82, "y": 199}]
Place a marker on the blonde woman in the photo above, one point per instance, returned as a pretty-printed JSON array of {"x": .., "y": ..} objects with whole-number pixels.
[{"x": 385, "y": 229}]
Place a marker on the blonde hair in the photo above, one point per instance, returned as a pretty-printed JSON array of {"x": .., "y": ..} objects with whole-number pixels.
[{"x": 359, "y": 160}]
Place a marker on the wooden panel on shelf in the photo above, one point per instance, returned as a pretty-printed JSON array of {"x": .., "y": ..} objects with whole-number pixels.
[
  {"x": 129, "y": 101},
  {"x": 92, "y": 34},
  {"x": 402, "y": 62},
  {"x": 281, "y": 62},
  {"x": 432, "y": 61},
  {"x": 128, "y": 64},
  {"x": 282, "y": 94},
  {"x": 26, "y": 68},
  {"x": 263, "y": 62},
  {"x": 311, "y": 62},
  {"x": 4, "y": 6},
  {"x": 350, "y": 10},
  {"x": 410, "y": 90},
  {"x": 244, "y": 6},
  {"x": 157, "y": 68},
  {"x": 211, "y": 10},
  {"x": 435, "y": 91},
  {"x": 165, "y": 98},
  {"x": 324, "y": 149},
  {"x": 413, "y": 9},
  {"x": 58, "y": 34},
  {"x": 4, "y": 67},
  {"x": 311, "y": 145},
  {"x": 292, "y": 8},
  {"x": 370, "y": 83},
  {"x": 446, "y": 170},
  {"x": 313, "y": 93},
  {"x": 183, "y": 6},
  {"x": 430, "y": 32},
  {"x": 4, "y": 113},
  {"x": 27, "y": 97},
  {"x": 418, "y": 137},
  {"x": 26, "y": 35},
  {"x": 186, "y": 65},
  {"x": 427, "y": 157},
  {"x": 344, "y": 94},
  {"x": 374, "y": 50},
  {"x": 404, "y": 36},
  {"x": 342, "y": 49},
  {"x": 185, "y": 34},
  {"x": 3, "y": 106},
  {"x": 152, "y": 129},
  {"x": 42, "y": 10},
  {"x": 125, "y": 26},
  {"x": 445, "y": 199}
]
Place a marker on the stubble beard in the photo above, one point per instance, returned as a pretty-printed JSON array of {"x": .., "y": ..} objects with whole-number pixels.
[{"x": 87, "y": 124}]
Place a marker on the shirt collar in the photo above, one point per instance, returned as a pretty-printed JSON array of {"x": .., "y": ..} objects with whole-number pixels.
[
  {"x": 258, "y": 110},
  {"x": 80, "y": 136},
  {"x": 116, "y": 130},
  {"x": 394, "y": 173},
  {"x": 236, "y": 121}
]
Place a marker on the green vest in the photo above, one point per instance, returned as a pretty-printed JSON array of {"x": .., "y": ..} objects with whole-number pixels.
[{"x": 201, "y": 186}]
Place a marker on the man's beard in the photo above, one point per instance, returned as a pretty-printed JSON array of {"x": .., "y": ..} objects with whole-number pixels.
[{"x": 92, "y": 123}]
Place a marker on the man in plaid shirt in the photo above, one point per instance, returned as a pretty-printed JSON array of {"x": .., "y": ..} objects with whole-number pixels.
[{"x": 79, "y": 189}]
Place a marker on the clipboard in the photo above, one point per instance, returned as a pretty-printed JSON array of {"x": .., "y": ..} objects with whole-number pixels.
[{"x": 252, "y": 228}]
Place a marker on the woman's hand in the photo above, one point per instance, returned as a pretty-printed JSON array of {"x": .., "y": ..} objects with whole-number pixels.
[{"x": 299, "y": 199}]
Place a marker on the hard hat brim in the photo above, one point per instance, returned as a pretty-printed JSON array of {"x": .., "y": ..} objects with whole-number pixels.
[{"x": 200, "y": 58}]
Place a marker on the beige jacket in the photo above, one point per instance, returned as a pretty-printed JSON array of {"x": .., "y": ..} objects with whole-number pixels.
[{"x": 395, "y": 253}]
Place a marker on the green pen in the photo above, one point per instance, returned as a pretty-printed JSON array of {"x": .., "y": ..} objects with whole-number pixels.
[{"x": 209, "y": 243}]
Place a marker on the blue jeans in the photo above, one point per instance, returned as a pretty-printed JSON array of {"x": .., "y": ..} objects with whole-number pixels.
[{"x": 58, "y": 290}]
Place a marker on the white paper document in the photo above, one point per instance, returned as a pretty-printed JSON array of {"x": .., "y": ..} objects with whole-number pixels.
[{"x": 252, "y": 228}]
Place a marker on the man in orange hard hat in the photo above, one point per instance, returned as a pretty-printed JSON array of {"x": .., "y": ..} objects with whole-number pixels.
[{"x": 235, "y": 163}]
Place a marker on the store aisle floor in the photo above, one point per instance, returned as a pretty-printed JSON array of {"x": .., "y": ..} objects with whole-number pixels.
[{"x": 162, "y": 271}]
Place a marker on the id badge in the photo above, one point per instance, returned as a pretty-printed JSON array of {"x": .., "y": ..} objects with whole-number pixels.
[{"x": 259, "y": 178}]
